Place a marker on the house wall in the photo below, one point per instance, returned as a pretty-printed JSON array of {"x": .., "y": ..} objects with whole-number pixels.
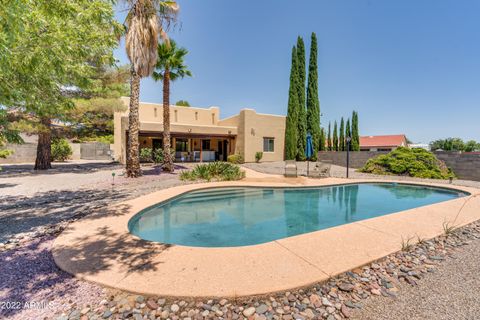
[
  {"x": 253, "y": 127},
  {"x": 248, "y": 127}
]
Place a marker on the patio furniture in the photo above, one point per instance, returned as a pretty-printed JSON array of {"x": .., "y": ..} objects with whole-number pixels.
[
  {"x": 290, "y": 168},
  {"x": 322, "y": 168}
]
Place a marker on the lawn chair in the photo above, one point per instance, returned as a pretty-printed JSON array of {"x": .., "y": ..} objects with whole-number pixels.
[
  {"x": 323, "y": 168},
  {"x": 290, "y": 168}
]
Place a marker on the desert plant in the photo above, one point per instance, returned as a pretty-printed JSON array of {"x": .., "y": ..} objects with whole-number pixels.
[
  {"x": 404, "y": 161},
  {"x": 407, "y": 244},
  {"x": 235, "y": 158},
  {"x": 448, "y": 228},
  {"x": 220, "y": 171},
  {"x": 60, "y": 149},
  {"x": 258, "y": 156}
]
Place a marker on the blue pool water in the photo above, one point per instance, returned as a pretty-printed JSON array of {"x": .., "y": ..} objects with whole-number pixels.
[{"x": 227, "y": 217}]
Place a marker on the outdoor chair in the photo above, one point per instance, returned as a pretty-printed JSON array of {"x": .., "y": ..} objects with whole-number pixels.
[
  {"x": 290, "y": 168},
  {"x": 323, "y": 168}
]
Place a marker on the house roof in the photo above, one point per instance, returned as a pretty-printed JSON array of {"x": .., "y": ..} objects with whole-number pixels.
[{"x": 383, "y": 141}]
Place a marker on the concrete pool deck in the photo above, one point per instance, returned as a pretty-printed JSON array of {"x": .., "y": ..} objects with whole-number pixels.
[{"x": 100, "y": 249}]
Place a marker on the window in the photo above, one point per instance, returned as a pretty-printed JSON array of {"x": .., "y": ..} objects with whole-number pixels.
[
  {"x": 155, "y": 112},
  {"x": 205, "y": 144},
  {"x": 176, "y": 116},
  {"x": 268, "y": 144},
  {"x": 181, "y": 145}
]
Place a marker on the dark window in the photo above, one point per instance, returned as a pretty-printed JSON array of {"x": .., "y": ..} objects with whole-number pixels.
[
  {"x": 181, "y": 145},
  {"x": 268, "y": 144},
  {"x": 205, "y": 144},
  {"x": 157, "y": 143}
]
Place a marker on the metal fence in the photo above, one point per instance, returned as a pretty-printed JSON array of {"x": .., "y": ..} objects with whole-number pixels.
[{"x": 95, "y": 151}]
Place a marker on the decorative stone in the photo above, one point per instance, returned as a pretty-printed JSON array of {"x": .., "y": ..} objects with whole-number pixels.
[
  {"x": 261, "y": 309},
  {"x": 347, "y": 287},
  {"x": 152, "y": 305},
  {"x": 249, "y": 312},
  {"x": 174, "y": 308},
  {"x": 326, "y": 302}
]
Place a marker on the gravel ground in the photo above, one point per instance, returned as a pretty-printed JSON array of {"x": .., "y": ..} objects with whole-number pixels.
[
  {"x": 34, "y": 201},
  {"x": 29, "y": 275},
  {"x": 453, "y": 292}
]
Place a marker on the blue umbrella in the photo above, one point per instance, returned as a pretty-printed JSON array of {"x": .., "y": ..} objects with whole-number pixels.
[{"x": 309, "y": 150}]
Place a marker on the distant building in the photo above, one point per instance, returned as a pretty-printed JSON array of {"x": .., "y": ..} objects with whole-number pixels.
[{"x": 383, "y": 143}]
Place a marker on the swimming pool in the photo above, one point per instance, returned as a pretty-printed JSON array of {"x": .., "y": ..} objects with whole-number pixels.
[{"x": 241, "y": 216}]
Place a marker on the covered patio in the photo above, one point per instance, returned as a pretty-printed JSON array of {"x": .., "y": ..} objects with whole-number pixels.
[{"x": 191, "y": 147}]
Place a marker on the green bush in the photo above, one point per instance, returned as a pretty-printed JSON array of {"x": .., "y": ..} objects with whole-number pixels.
[
  {"x": 5, "y": 153},
  {"x": 235, "y": 158},
  {"x": 146, "y": 155},
  {"x": 258, "y": 156},
  {"x": 414, "y": 162},
  {"x": 220, "y": 171},
  {"x": 61, "y": 149}
]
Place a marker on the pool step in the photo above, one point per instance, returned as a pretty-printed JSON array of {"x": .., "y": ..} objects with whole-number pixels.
[{"x": 218, "y": 194}]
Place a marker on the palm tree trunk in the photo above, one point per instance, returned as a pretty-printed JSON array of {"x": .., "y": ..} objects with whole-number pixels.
[
  {"x": 43, "y": 160},
  {"x": 133, "y": 153},
  {"x": 167, "y": 155}
]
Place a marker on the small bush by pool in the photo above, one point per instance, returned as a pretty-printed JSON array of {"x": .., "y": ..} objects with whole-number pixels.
[
  {"x": 414, "y": 162},
  {"x": 220, "y": 171}
]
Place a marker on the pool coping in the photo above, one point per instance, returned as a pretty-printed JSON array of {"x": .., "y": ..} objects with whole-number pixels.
[{"x": 99, "y": 248}]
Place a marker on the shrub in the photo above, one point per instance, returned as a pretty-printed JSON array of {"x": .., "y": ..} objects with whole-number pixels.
[
  {"x": 5, "y": 153},
  {"x": 146, "y": 155},
  {"x": 414, "y": 162},
  {"x": 258, "y": 156},
  {"x": 220, "y": 171},
  {"x": 61, "y": 149},
  {"x": 235, "y": 158}
]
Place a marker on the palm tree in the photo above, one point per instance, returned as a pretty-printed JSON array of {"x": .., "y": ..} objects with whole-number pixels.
[
  {"x": 170, "y": 67},
  {"x": 145, "y": 23}
]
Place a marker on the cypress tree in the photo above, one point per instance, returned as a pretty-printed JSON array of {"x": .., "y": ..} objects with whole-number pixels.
[
  {"x": 335, "y": 136},
  {"x": 355, "y": 133},
  {"x": 292, "y": 114},
  {"x": 348, "y": 134},
  {"x": 302, "y": 113},
  {"x": 321, "y": 145},
  {"x": 341, "y": 142},
  {"x": 329, "y": 138},
  {"x": 313, "y": 104}
]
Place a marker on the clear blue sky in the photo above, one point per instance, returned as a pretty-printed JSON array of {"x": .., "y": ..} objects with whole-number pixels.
[{"x": 408, "y": 67}]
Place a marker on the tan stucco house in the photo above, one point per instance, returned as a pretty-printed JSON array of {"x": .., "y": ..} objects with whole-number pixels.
[{"x": 198, "y": 134}]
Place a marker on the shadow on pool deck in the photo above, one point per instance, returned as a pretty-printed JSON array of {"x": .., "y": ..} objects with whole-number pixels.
[{"x": 92, "y": 254}]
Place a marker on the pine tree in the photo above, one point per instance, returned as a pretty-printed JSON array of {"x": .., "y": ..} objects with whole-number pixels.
[
  {"x": 355, "y": 133},
  {"x": 292, "y": 115},
  {"x": 321, "y": 145},
  {"x": 329, "y": 137},
  {"x": 341, "y": 142},
  {"x": 335, "y": 136},
  {"x": 313, "y": 104},
  {"x": 348, "y": 134},
  {"x": 302, "y": 113}
]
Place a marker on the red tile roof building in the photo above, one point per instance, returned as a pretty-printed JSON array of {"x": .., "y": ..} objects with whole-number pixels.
[{"x": 382, "y": 143}]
